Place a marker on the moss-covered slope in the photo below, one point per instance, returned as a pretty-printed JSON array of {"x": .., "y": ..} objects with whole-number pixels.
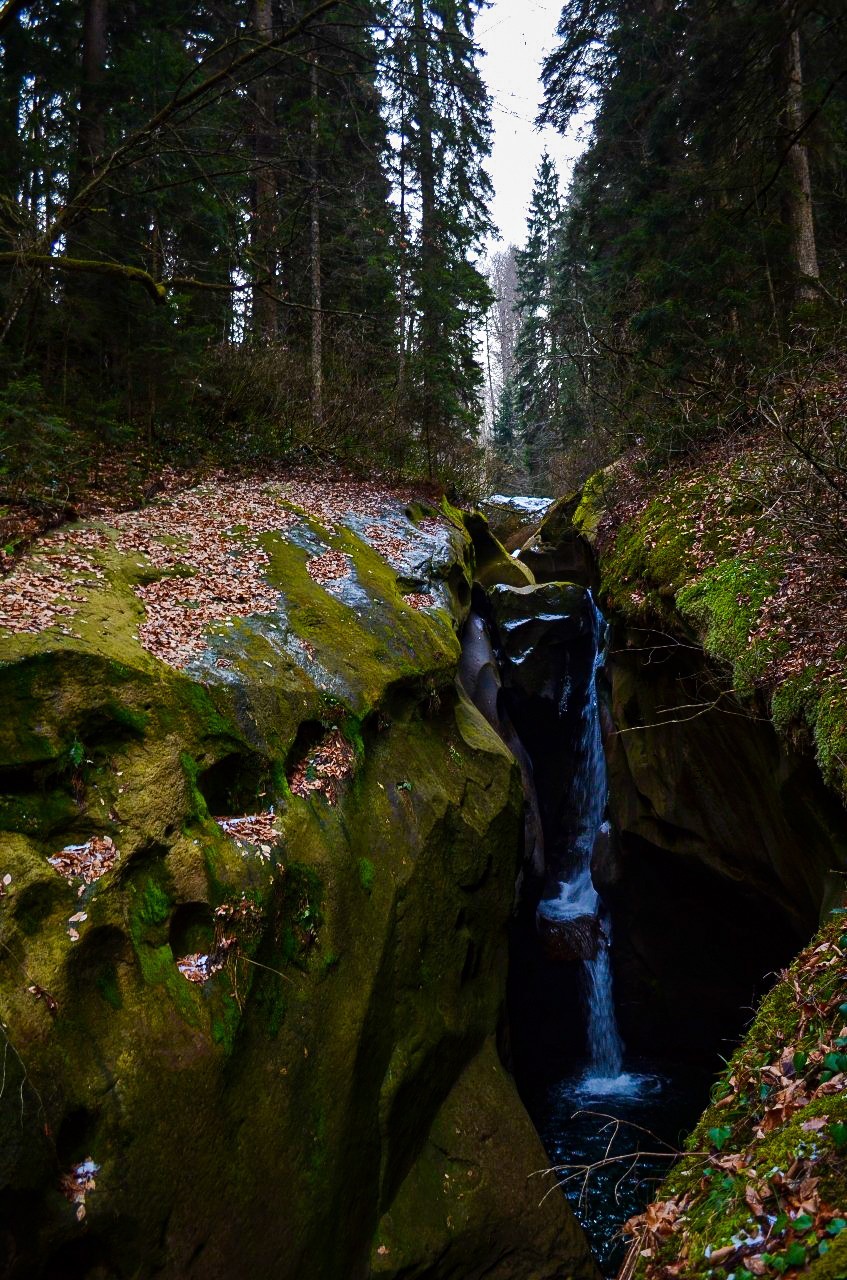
[
  {"x": 261, "y": 1049},
  {"x": 763, "y": 1188},
  {"x": 727, "y": 668},
  {"x": 703, "y": 550}
]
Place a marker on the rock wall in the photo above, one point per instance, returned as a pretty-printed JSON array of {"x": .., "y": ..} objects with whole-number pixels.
[
  {"x": 726, "y": 844},
  {"x": 249, "y": 1007},
  {"x": 726, "y": 851}
]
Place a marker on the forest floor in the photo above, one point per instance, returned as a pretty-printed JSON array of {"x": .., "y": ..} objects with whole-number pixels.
[
  {"x": 112, "y": 484},
  {"x": 125, "y": 483}
]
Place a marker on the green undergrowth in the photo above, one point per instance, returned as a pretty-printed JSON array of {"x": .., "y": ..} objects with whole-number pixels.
[
  {"x": 703, "y": 559},
  {"x": 763, "y": 1188}
]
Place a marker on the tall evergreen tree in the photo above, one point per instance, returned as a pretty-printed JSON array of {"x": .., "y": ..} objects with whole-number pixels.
[
  {"x": 196, "y": 219},
  {"x": 694, "y": 210},
  {"x": 537, "y": 355},
  {"x": 440, "y": 110}
]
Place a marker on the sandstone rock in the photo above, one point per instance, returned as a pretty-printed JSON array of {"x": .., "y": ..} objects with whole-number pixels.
[
  {"x": 262, "y": 1050},
  {"x": 576, "y": 938}
]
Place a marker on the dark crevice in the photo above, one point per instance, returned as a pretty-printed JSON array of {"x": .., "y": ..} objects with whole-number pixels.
[
  {"x": 237, "y": 783},
  {"x": 191, "y": 929},
  {"x": 699, "y": 916}
]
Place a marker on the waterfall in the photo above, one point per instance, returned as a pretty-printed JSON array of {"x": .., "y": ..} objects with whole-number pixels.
[
  {"x": 577, "y": 899},
  {"x": 604, "y": 1041},
  {"x": 534, "y": 678}
]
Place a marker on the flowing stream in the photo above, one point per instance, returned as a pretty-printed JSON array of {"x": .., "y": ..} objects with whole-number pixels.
[
  {"x": 576, "y": 898},
  {"x": 610, "y": 1123}
]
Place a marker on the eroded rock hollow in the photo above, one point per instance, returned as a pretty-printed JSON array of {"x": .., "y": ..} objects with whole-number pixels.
[{"x": 254, "y": 911}]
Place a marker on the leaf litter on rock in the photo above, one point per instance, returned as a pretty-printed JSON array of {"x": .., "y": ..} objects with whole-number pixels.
[
  {"x": 324, "y": 767},
  {"x": 331, "y": 566},
  {"x": 235, "y": 924},
  {"x": 86, "y": 862},
  {"x": 203, "y": 544},
  {"x": 256, "y": 830},
  {"x": 76, "y": 1184}
]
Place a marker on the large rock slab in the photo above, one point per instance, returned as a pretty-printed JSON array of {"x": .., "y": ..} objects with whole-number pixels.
[
  {"x": 235, "y": 1041},
  {"x": 556, "y": 551},
  {"x": 727, "y": 846}
]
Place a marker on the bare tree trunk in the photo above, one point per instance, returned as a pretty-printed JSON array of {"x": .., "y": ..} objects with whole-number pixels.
[
  {"x": 402, "y": 274},
  {"x": 13, "y": 76},
  {"x": 804, "y": 248},
  {"x": 92, "y": 135},
  {"x": 429, "y": 326},
  {"x": 492, "y": 406},
  {"x": 315, "y": 253},
  {"x": 264, "y": 193}
]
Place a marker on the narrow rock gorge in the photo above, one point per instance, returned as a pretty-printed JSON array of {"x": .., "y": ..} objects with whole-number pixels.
[
  {"x": 255, "y": 907},
  {"x": 299, "y": 931}
]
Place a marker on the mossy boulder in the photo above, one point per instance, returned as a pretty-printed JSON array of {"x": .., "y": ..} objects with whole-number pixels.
[
  {"x": 235, "y": 1055},
  {"x": 492, "y": 563},
  {"x": 512, "y": 517},
  {"x": 557, "y": 551}
]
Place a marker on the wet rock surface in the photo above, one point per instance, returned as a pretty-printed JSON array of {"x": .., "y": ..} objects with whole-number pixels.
[
  {"x": 556, "y": 552},
  {"x": 576, "y": 938},
  {"x": 546, "y": 641}
]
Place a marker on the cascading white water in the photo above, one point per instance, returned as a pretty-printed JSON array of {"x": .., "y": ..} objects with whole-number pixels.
[
  {"x": 604, "y": 1041},
  {"x": 577, "y": 896},
  {"x": 605, "y": 1048}
]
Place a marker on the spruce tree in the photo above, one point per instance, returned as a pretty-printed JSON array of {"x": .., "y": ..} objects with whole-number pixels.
[
  {"x": 697, "y": 205},
  {"x": 537, "y": 355},
  {"x": 440, "y": 111}
]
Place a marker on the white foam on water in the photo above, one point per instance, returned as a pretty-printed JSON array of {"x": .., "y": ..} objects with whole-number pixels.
[
  {"x": 627, "y": 1084},
  {"x": 577, "y": 897},
  {"x": 533, "y": 506}
]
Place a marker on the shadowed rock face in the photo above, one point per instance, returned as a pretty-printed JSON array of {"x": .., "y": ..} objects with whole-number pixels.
[
  {"x": 556, "y": 551},
  {"x": 546, "y": 640},
  {"x": 479, "y": 676},
  {"x": 277, "y": 1053},
  {"x": 726, "y": 849}
]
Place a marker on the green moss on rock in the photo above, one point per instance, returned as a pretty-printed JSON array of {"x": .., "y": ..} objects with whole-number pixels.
[
  {"x": 766, "y": 1173},
  {"x": 492, "y": 562},
  {"x": 672, "y": 567},
  {"x": 357, "y": 969}
]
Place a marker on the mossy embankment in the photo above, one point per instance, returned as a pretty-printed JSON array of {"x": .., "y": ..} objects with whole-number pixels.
[
  {"x": 762, "y": 1190},
  {"x": 706, "y": 551},
  {"x": 726, "y": 743},
  {"x": 276, "y": 1050}
]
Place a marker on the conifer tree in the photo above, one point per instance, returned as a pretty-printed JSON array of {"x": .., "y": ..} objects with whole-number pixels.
[
  {"x": 440, "y": 110},
  {"x": 181, "y": 176},
  {"x": 694, "y": 214},
  {"x": 537, "y": 356}
]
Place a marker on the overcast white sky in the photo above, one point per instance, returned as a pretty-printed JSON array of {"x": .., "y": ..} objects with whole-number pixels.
[{"x": 515, "y": 35}]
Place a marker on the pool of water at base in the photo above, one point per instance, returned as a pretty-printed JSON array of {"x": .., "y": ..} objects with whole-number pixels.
[{"x": 649, "y": 1108}]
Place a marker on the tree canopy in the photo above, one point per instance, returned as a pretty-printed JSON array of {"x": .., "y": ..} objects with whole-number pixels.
[{"x": 202, "y": 245}]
